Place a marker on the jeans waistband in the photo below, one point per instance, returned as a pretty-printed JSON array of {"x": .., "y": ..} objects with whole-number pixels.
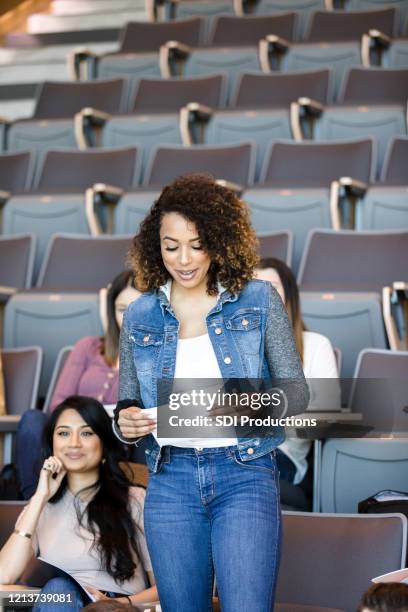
[{"x": 168, "y": 451}]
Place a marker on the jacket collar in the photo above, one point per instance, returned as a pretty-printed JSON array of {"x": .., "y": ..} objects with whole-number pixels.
[{"x": 223, "y": 296}]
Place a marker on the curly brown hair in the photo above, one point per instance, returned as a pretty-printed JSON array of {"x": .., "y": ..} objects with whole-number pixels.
[{"x": 223, "y": 225}]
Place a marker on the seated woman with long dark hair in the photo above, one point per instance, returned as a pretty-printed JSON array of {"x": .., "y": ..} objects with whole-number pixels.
[{"x": 85, "y": 517}]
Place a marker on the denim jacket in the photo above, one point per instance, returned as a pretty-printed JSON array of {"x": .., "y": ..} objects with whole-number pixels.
[{"x": 251, "y": 337}]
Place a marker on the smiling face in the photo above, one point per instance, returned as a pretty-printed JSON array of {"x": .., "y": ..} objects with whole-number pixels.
[
  {"x": 183, "y": 257},
  {"x": 76, "y": 444}
]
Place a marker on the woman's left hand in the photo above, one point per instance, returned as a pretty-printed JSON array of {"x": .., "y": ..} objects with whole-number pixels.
[{"x": 95, "y": 593}]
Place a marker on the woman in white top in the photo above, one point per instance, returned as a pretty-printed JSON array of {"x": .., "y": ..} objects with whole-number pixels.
[
  {"x": 318, "y": 360},
  {"x": 85, "y": 517}
]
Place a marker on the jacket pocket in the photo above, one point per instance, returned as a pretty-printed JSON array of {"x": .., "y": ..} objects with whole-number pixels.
[{"x": 147, "y": 344}]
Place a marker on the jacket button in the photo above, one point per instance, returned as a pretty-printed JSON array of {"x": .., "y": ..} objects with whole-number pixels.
[
  {"x": 146, "y": 339},
  {"x": 244, "y": 322},
  {"x": 218, "y": 330},
  {"x": 227, "y": 360},
  {"x": 250, "y": 451}
]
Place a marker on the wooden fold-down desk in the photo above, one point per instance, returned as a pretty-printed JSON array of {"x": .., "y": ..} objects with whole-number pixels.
[
  {"x": 327, "y": 424},
  {"x": 8, "y": 426}
]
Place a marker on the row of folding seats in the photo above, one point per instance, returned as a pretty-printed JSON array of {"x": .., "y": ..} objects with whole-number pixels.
[
  {"x": 52, "y": 320},
  {"x": 53, "y": 124},
  {"x": 75, "y": 16},
  {"x": 285, "y": 164}
]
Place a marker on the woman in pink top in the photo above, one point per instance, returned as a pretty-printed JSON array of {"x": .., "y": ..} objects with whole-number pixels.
[
  {"x": 91, "y": 370},
  {"x": 92, "y": 366}
]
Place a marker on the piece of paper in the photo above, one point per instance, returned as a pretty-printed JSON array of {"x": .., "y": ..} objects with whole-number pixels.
[{"x": 397, "y": 576}]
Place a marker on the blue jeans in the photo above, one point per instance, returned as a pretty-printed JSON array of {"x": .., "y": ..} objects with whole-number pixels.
[
  {"x": 208, "y": 512},
  {"x": 61, "y": 586},
  {"x": 29, "y": 444}
]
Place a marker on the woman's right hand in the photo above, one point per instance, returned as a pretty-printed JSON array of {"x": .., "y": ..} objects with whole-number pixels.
[
  {"x": 134, "y": 424},
  {"x": 51, "y": 476}
]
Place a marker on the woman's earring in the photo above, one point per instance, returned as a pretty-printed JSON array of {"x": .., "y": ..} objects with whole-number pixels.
[{"x": 103, "y": 461}]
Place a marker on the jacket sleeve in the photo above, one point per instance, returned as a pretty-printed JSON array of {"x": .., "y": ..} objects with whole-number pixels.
[
  {"x": 129, "y": 390},
  {"x": 283, "y": 358}
]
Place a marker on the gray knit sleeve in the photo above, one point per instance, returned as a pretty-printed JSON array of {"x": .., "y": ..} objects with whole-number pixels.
[
  {"x": 282, "y": 356},
  {"x": 129, "y": 389}
]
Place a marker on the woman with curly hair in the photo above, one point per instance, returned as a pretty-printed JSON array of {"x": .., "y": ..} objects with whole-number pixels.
[{"x": 212, "y": 504}]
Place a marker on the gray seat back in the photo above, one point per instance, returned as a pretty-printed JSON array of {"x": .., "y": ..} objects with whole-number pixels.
[
  {"x": 82, "y": 263},
  {"x": 169, "y": 95},
  {"x": 323, "y": 547},
  {"x": 279, "y": 89},
  {"x": 305, "y": 164},
  {"x": 142, "y": 37},
  {"x": 51, "y": 321},
  {"x": 333, "y": 261},
  {"x": 75, "y": 171},
  {"x": 236, "y": 31},
  {"x": 17, "y": 257},
  {"x": 380, "y": 390},
  {"x": 276, "y": 244},
  {"x": 354, "y": 469},
  {"x": 21, "y": 370},
  {"x": 352, "y": 322},
  {"x": 59, "y": 366},
  {"x": 394, "y": 170},
  {"x": 375, "y": 86},
  {"x": 342, "y": 25},
  {"x": 235, "y": 163},
  {"x": 296, "y": 210},
  {"x": 16, "y": 171}
]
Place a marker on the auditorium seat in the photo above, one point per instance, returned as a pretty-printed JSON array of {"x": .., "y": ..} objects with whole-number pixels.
[
  {"x": 82, "y": 263},
  {"x": 59, "y": 364},
  {"x": 75, "y": 171},
  {"x": 238, "y": 31},
  {"x": 385, "y": 51},
  {"x": 16, "y": 170},
  {"x": 341, "y": 25},
  {"x": 324, "y": 124},
  {"x": 138, "y": 54},
  {"x": 380, "y": 390},
  {"x": 378, "y": 208},
  {"x": 234, "y": 163},
  {"x": 9, "y": 513},
  {"x": 353, "y": 261},
  {"x": 184, "y": 9},
  {"x": 303, "y": 8},
  {"x": 329, "y": 560},
  {"x": 52, "y": 123},
  {"x": 366, "y": 5},
  {"x": 44, "y": 215},
  {"x": 132, "y": 209},
  {"x": 278, "y": 54},
  {"x": 276, "y": 244},
  {"x": 256, "y": 91},
  {"x": 297, "y": 210},
  {"x": 17, "y": 263},
  {"x": 169, "y": 95},
  {"x": 375, "y": 86},
  {"x": 147, "y": 131},
  {"x": 354, "y": 469},
  {"x": 394, "y": 170},
  {"x": 21, "y": 371},
  {"x": 203, "y": 125},
  {"x": 51, "y": 321},
  {"x": 309, "y": 164},
  {"x": 180, "y": 60},
  {"x": 352, "y": 322}
]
